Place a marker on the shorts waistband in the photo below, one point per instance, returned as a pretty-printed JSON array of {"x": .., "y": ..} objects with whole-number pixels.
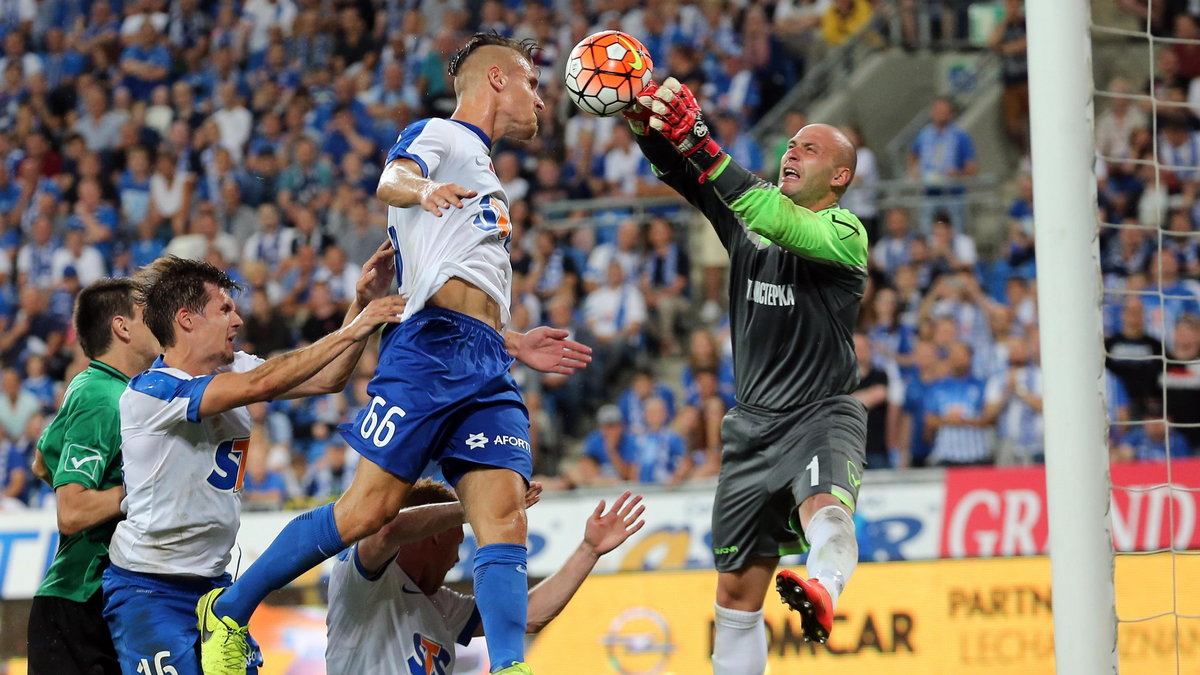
[
  {"x": 173, "y": 581},
  {"x": 458, "y": 318}
]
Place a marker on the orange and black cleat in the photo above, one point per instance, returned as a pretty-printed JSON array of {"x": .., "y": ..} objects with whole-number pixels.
[{"x": 811, "y": 600}]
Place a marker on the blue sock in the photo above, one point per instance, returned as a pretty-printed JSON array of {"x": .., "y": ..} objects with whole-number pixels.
[
  {"x": 502, "y": 595},
  {"x": 306, "y": 541}
]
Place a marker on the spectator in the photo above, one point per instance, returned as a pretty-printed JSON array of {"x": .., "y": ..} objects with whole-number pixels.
[
  {"x": 862, "y": 197},
  {"x": 894, "y": 248},
  {"x": 262, "y": 488},
  {"x": 99, "y": 221},
  {"x": 33, "y": 331},
  {"x": 843, "y": 19},
  {"x": 265, "y": 329},
  {"x": 338, "y": 276},
  {"x": 1133, "y": 356},
  {"x": 307, "y": 178},
  {"x": 204, "y": 238},
  {"x": 891, "y": 341},
  {"x": 661, "y": 456},
  {"x": 331, "y": 474},
  {"x": 324, "y": 316},
  {"x": 38, "y": 383},
  {"x": 1168, "y": 297},
  {"x": 1016, "y": 403},
  {"x": 942, "y": 154},
  {"x": 272, "y": 242},
  {"x": 950, "y": 249},
  {"x": 234, "y": 217},
  {"x": 1115, "y": 126},
  {"x": 35, "y": 259},
  {"x": 609, "y": 452},
  {"x": 1181, "y": 381},
  {"x": 664, "y": 284},
  {"x": 1152, "y": 440},
  {"x": 882, "y": 399},
  {"x": 641, "y": 389},
  {"x": 625, "y": 250},
  {"x": 955, "y": 416},
  {"x": 99, "y": 126},
  {"x": 17, "y": 406},
  {"x": 145, "y": 63},
  {"x": 622, "y": 165},
  {"x": 1008, "y": 40},
  {"x": 741, "y": 145},
  {"x": 14, "y": 476},
  {"x": 82, "y": 259}
]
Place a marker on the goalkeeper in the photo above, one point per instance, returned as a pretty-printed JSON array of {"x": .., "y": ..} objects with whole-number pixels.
[{"x": 794, "y": 444}]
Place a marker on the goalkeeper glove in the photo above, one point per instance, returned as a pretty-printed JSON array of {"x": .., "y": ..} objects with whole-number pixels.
[
  {"x": 637, "y": 115},
  {"x": 675, "y": 114}
]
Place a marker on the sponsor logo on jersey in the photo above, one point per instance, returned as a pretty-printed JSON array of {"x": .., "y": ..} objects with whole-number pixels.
[
  {"x": 431, "y": 657},
  {"x": 771, "y": 295},
  {"x": 229, "y": 467},
  {"x": 493, "y": 217},
  {"x": 725, "y": 550},
  {"x": 83, "y": 460}
]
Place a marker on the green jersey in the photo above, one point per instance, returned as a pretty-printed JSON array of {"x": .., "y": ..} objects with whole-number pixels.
[
  {"x": 796, "y": 281},
  {"x": 83, "y": 446}
]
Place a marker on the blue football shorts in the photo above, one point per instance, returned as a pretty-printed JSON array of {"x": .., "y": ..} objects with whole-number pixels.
[
  {"x": 442, "y": 392},
  {"x": 152, "y": 618}
]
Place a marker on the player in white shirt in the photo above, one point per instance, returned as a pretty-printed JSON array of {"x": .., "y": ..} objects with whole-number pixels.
[
  {"x": 184, "y": 431},
  {"x": 389, "y": 613},
  {"x": 442, "y": 391}
]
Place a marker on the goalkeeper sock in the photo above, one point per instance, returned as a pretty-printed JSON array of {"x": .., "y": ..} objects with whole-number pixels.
[
  {"x": 739, "y": 642},
  {"x": 834, "y": 552},
  {"x": 306, "y": 541}
]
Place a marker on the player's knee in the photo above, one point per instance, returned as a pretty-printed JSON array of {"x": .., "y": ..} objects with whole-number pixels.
[
  {"x": 357, "y": 519},
  {"x": 501, "y": 527}
]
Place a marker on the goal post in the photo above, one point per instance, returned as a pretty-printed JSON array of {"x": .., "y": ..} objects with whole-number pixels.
[{"x": 1078, "y": 488}]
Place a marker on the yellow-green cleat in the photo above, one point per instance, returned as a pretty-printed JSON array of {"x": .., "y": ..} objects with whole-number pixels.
[
  {"x": 517, "y": 668},
  {"x": 224, "y": 647}
]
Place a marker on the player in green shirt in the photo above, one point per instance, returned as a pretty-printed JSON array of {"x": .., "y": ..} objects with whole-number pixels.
[
  {"x": 795, "y": 443},
  {"x": 79, "y": 455}
]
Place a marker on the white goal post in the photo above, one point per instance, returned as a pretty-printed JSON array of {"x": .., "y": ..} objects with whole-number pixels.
[{"x": 1078, "y": 488}]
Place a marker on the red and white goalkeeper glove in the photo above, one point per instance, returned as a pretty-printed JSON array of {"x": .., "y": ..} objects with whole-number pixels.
[
  {"x": 675, "y": 114},
  {"x": 638, "y": 115}
]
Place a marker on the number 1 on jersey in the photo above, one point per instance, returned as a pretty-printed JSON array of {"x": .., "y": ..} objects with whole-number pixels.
[{"x": 814, "y": 472}]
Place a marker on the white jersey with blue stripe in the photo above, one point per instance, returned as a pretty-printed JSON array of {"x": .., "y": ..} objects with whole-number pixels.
[
  {"x": 183, "y": 474},
  {"x": 470, "y": 243}
]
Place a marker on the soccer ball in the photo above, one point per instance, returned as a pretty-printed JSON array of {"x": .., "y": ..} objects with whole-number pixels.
[{"x": 605, "y": 72}]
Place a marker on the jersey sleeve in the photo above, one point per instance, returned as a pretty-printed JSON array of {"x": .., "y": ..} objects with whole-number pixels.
[
  {"x": 460, "y": 613},
  {"x": 677, "y": 173},
  {"x": 832, "y": 235},
  {"x": 164, "y": 401},
  {"x": 90, "y": 443},
  {"x": 423, "y": 142}
]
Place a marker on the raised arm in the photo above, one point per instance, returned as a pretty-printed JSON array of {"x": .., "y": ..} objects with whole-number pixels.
[
  {"x": 278, "y": 375},
  {"x": 404, "y": 184},
  {"x": 414, "y": 524},
  {"x": 374, "y": 283},
  {"x": 603, "y": 533}
]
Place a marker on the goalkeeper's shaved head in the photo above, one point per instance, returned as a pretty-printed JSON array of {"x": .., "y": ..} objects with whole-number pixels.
[{"x": 818, "y": 166}]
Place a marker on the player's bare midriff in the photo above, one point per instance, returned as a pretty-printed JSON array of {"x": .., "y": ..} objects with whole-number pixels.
[{"x": 466, "y": 298}]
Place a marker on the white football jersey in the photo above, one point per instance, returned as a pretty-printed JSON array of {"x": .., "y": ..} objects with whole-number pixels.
[
  {"x": 386, "y": 625},
  {"x": 183, "y": 474},
  {"x": 470, "y": 243}
]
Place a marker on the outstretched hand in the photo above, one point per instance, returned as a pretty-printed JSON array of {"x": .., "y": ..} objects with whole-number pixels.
[
  {"x": 438, "y": 196},
  {"x": 384, "y": 310},
  {"x": 606, "y": 531},
  {"x": 376, "y": 277},
  {"x": 533, "y": 495},
  {"x": 675, "y": 113},
  {"x": 548, "y": 350}
]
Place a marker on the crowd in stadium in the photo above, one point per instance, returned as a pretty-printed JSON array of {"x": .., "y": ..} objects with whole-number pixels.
[{"x": 250, "y": 135}]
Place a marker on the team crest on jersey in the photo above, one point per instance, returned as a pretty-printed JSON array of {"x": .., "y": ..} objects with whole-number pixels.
[
  {"x": 229, "y": 465},
  {"x": 493, "y": 217},
  {"x": 431, "y": 657}
]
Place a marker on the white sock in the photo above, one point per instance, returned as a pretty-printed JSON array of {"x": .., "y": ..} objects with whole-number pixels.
[
  {"x": 740, "y": 643},
  {"x": 834, "y": 549}
]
